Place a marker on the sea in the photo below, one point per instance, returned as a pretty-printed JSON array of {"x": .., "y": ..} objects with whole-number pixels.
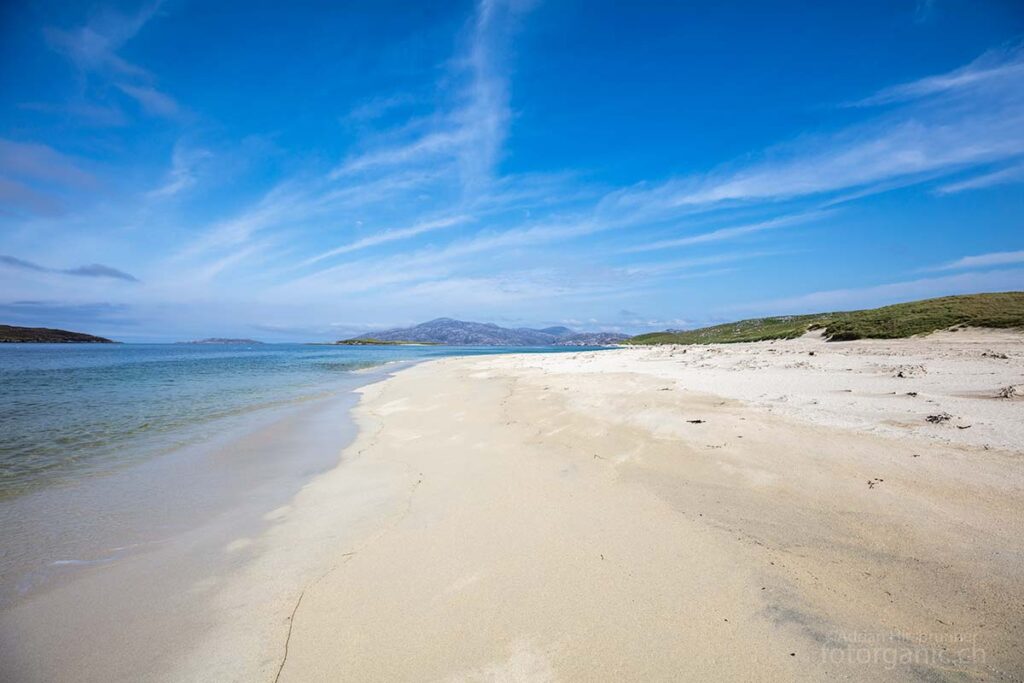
[{"x": 109, "y": 449}]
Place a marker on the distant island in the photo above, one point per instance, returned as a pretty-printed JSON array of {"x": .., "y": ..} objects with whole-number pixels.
[
  {"x": 452, "y": 332},
  {"x": 369, "y": 341},
  {"x": 10, "y": 334},
  {"x": 220, "y": 340}
]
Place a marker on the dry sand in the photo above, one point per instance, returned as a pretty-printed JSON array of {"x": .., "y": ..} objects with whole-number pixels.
[{"x": 742, "y": 512}]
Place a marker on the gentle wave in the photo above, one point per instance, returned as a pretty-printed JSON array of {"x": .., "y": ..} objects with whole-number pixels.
[{"x": 69, "y": 412}]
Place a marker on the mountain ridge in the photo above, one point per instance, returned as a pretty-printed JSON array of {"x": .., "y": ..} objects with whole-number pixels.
[{"x": 452, "y": 332}]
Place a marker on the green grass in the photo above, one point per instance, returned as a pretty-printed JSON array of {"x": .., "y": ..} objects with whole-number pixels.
[{"x": 999, "y": 310}]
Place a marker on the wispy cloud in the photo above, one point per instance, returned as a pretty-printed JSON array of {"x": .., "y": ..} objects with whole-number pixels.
[
  {"x": 42, "y": 163},
  {"x": 446, "y": 163},
  {"x": 13, "y": 262},
  {"x": 94, "y": 46},
  {"x": 439, "y": 164},
  {"x": 379, "y": 106},
  {"x": 209, "y": 270},
  {"x": 880, "y": 295},
  {"x": 300, "y": 201},
  {"x": 467, "y": 137},
  {"x": 732, "y": 232},
  {"x": 94, "y": 49},
  {"x": 1005, "y": 176},
  {"x": 423, "y": 149},
  {"x": 917, "y": 141},
  {"x": 35, "y": 179},
  {"x": 152, "y": 100},
  {"x": 386, "y": 236},
  {"x": 859, "y": 157},
  {"x": 661, "y": 268},
  {"x": 996, "y": 68},
  {"x": 182, "y": 174},
  {"x": 19, "y": 199},
  {"x": 92, "y": 270},
  {"x": 99, "y": 270},
  {"x": 999, "y": 258},
  {"x": 923, "y": 10}
]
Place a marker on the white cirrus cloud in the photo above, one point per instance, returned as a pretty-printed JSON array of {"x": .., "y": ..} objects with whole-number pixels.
[
  {"x": 152, "y": 100},
  {"x": 955, "y": 129},
  {"x": 1005, "y": 176},
  {"x": 731, "y": 232},
  {"x": 995, "y": 66},
  {"x": 998, "y": 258},
  {"x": 387, "y": 236},
  {"x": 890, "y": 293}
]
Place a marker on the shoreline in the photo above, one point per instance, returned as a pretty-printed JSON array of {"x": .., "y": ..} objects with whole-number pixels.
[
  {"x": 160, "y": 537},
  {"x": 592, "y": 514}
]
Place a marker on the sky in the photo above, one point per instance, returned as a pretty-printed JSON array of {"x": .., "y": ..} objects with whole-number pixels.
[{"x": 308, "y": 171}]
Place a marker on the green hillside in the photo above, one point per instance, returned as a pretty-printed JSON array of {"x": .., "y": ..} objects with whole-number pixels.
[
  {"x": 46, "y": 335},
  {"x": 1000, "y": 310}
]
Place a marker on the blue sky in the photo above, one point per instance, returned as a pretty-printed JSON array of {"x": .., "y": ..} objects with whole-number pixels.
[{"x": 306, "y": 171}]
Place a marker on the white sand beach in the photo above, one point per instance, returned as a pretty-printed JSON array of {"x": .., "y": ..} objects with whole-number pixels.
[{"x": 771, "y": 511}]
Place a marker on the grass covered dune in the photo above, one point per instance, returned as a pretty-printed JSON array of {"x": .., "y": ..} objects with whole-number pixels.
[{"x": 1000, "y": 310}]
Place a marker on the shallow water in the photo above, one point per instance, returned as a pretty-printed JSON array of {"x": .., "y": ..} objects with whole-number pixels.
[
  {"x": 109, "y": 450},
  {"x": 71, "y": 410},
  {"x": 121, "y": 570}
]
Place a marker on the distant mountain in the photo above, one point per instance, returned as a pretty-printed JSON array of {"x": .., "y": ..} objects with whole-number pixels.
[
  {"x": 46, "y": 335},
  {"x": 221, "y": 340},
  {"x": 557, "y": 331},
  {"x": 462, "y": 333}
]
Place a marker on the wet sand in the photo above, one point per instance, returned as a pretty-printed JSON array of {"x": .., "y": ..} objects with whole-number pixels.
[{"x": 120, "y": 581}]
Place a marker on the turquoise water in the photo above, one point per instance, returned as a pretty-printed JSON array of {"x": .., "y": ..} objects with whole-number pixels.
[{"x": 71, "y": 411}]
